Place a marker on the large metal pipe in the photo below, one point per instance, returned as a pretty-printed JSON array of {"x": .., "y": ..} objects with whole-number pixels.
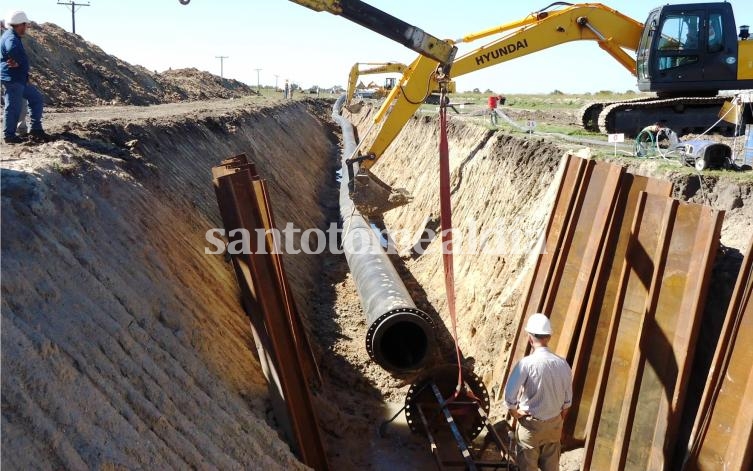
[{"x": 400, "y": 337}]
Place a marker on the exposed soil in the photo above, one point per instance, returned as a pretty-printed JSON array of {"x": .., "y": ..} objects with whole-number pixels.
[
  {"x": 501, "y": 182},
  {"x": 142, "y": 337},
  {"x": 123, "y": 344},
  {"x": 72, "y": 72},
  {"x": 565, "y": 117}
]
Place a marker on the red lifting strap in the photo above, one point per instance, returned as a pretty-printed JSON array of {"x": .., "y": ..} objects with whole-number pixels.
[{"x": 445, "y": 213}]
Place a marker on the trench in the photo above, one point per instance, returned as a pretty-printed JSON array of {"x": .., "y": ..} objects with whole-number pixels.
[
  {"x": 109, "y": 300},
  {"x": 501, "y": 187}
]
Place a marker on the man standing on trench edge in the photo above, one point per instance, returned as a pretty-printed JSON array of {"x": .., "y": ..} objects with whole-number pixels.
[
  {"x": 492, "y": 103},
  {"x": 538, "y": 394},
  {"x": 14, "y": 74}
]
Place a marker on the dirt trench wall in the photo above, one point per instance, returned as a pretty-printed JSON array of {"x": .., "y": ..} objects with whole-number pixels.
[
  {"x": 123, "y": 344},
  {"x": 501, "y": 192},
  {"x": 503, "y": 184}
]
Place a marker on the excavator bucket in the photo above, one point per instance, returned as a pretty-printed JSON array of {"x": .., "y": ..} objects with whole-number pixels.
[
  {"x": 355, "y": 108},
  {"x": 373, "y": 197}
]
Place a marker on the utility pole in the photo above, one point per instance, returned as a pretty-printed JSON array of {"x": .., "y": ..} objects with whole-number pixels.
[
  {"x": 222, "y": 64},
  {"x": 73, "y": 6},
  {"x": 258, "y": 83}
]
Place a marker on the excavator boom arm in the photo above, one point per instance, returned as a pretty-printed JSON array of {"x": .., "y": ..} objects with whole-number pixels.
[
  {"x": 595, "y": 22},
  {"x": 592, "y": 21},
  {"x": 387, "y": 25}
]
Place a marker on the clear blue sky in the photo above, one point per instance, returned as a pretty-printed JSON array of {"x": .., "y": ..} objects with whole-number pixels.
[{"x": 311, "y": 48}]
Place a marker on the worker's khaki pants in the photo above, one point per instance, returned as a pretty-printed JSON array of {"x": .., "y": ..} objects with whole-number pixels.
[{"x": 539, "y": 444}]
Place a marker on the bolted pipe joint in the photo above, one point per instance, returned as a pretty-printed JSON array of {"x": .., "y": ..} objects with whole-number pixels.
[{"x": 401, "y": 340}]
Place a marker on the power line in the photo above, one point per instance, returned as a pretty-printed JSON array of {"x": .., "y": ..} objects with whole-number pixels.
[
  {"x": 222, "y": 64},
  {"x": 73, "y": 6}
]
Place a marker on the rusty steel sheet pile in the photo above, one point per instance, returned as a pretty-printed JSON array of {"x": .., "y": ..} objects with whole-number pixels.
[
  {"x": 722, "y": 436},
  {"x": 282, "y": 344},
  {"x": 624, "y": 277},
  {"x": 642, "y": 383},
  {"x": 589, "y": 353}
]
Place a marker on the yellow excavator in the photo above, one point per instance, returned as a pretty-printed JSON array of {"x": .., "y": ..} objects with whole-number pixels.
[
  {"x": 685, "y": 53},
  {"x": 389, "y": 82},
  {"x": 375, "y": 68}
]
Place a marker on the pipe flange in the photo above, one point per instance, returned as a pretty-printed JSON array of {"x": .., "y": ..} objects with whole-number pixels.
[
  {"x": 378, "y": 328},
  {"x": 469, "y": 421},
  {"x": 374, "y": 325}
]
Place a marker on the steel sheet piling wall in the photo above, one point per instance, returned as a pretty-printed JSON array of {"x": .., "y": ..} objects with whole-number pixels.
[
  {"x": 589, "y": 353},
  {"x": 400, "y": 337},
  {"x": 284, "y": 350},
  {"x": 722, "y": 436},
  {"x": 642, "y": 383},
  {"x": 624, "y": 276}
]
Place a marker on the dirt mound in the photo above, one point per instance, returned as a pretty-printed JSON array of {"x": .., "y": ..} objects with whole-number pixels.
[
  {"x": 195, "y": 84},
  {"x": 71, "y": 71},
  {"x": 123, "y": 344}
]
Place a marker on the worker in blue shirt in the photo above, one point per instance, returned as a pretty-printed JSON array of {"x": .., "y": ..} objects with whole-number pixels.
[{"x": 14, "y": 74}]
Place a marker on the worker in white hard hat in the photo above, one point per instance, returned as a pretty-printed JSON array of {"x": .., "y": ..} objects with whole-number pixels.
[
  {"x": 14, "y": 74},
  {"x": 21, "y": 129},
  {"x": 538, "y": 394}
]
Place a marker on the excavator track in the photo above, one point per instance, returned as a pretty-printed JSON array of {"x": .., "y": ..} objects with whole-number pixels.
[
  {"x": 684, "y": 115},
  {"x": 589, "y": 114}
]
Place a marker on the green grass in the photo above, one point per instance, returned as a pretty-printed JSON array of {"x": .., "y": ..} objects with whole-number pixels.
[
  {"x": 569, "y": 131},
  {"x": 547, "y": 101}
]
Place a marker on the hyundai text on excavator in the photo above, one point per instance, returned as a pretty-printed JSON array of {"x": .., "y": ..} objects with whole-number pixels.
[{"x": 676, "y": 56}]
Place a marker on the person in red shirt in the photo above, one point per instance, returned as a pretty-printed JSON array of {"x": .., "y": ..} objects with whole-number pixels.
[{"x": 493, "y": 100}]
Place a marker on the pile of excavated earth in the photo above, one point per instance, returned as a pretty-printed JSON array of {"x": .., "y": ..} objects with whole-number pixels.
[
  {"x": 124, "y": 344},
  {"x": 73, "y": 72}
]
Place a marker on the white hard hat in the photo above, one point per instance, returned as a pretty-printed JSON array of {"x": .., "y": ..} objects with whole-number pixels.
[
  {"x": 16, "y": 18},
  {"x": 538, "y": 324}
]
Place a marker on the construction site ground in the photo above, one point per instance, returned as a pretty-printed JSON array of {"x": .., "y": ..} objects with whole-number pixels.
[{"x": 123, "y": 344}]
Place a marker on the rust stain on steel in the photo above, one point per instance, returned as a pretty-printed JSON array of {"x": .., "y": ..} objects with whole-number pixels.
[
  {"x": 567, "y": 298},
  {"x": 573, "y": 172},
  {"x": 238, "y": 189},
  {"x": 652, "y": 335},
  {"x": 591, "y": 344},
  {"x": 722, "y": 436},
  {"x": 575, "y": 235},
  {"x": 306, "y": 353},
  {"x": 555, "y": 232},
  {"x": 238, "y": 163}
]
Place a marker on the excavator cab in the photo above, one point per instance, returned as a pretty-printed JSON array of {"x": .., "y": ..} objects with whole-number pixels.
[{"x": 689, "y": 50}]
